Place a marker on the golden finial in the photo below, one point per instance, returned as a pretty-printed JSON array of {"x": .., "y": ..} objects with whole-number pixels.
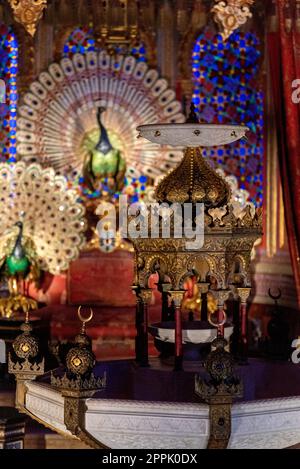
[
  {"x": 218, "y": 323},
  {"x": 27, "y": 316},
  {"x": 84, "y": 320}
]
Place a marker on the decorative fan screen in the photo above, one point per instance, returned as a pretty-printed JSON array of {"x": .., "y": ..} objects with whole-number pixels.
[{"x": 57, "y": 120}]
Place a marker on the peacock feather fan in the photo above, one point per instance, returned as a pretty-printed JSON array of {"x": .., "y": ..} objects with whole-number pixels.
[
  {"x": 42, "y": 225},
  {"x": 57, "y": 123}
]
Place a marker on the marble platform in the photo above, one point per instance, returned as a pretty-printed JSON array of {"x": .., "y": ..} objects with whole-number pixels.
[{"x": 156, "y": 408}]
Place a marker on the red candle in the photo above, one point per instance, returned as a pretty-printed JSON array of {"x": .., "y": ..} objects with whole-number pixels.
[
  {"x": 178, "y": 333},
  {"x": 244, "y": 322},
  {"x": 221, "y": 327}
]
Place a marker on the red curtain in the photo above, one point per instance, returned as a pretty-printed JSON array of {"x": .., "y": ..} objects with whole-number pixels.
[{"x": 284, "y": 53}]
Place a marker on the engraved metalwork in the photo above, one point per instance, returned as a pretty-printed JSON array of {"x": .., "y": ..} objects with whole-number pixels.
[
  {"x": 218, "y": 391},
  {"x": 28, "y": 13},
  {"x": 27, "y": 364},
  {"x": 231, "y": 14}
]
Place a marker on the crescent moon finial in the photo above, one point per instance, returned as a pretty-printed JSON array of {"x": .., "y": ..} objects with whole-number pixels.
[
  {"x": 84, "y": 320},
  {"x": 275, "y": 297},
  {"x": 217, "y": 324}
]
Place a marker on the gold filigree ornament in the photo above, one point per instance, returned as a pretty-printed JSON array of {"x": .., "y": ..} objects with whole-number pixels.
[
  {"x": 26, "y": 345},
  {"x": 219, "y": 389},
  {"x": 80, "y": 359},
  {"x": 231, "y": 14},
  {"x": 16, "y": 303},
  {"x": 79, "y": 379},
  {"x": 193, "y": 181},
  {"x": 28, "y": 13},
  {"x": 26, "y": 363}
]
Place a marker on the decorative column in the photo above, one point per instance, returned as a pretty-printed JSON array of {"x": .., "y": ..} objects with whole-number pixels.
[
  {"x": 219, "y": 390},
  {"x": 138, "y": 322},
  {"x": 244, "y": 294},
  {"x": 203, "y": 289},
  {"x": 233, "y": 308},
  {"x": 27, "y": 15},
  {"x": 144, "y": 296},
  {"x": 164, "y": 288},
  {"x": 45, "y": 36},
  {"x": 177, "y": 297},
  {"x": 221, "y": 296},
  {"x": 167, "y": 40}
]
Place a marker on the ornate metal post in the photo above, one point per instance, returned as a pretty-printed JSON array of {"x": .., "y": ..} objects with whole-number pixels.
[
  {"x": 138, "y": 322},
  {"x": 219, "y": 392},
  {"x": 244, "y": 294},
  {"x": 27, "y": 363},
  {"x": 79, "y": 383},
  {"x": 203, "y": 289},
  {"x": 235, "y": 312},
  {"x": 221, "y": 296},
  {"x": 177, "y": 297},
  {"x": 164, "y": 289},
  {"x": 145, "y": 298}
]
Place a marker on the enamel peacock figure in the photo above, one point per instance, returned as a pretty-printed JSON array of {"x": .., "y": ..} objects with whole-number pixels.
[
  {"x": 104, "y": 161},
  {"x": 42, "y": 230},
  {"x": 58, "y": 127},
  {"x": 17, "y": 264}
]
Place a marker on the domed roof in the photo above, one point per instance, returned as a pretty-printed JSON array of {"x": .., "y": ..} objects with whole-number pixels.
[{"x": 193, "y": 181}]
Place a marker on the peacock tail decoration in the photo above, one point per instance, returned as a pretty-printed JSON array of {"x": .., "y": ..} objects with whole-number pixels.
[
  {"x": 104, "y": 161},
  {"x": 17, "y": 262},
  {"x": 58, "y": 122},
  {"x": 42, "y": 228}
]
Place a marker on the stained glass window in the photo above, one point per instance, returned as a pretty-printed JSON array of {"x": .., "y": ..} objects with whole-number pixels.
[
  {"x": 226, "y": 90},
  {"x": 82, "y": 40},
  {"x": 8, "y": 110},
  {"x": 2, "y": 92}
]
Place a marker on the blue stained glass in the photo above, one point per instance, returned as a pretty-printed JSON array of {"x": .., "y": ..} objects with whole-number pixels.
[
  {"x": 227, "y": 91},
  {"x": 82, "y": 40},
  {"x": 8, "y": 72}
]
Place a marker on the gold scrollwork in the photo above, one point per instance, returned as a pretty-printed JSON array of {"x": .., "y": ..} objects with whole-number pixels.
[
  {"x": 231, "y": 14},
  {"x": 28, "y": 13}
]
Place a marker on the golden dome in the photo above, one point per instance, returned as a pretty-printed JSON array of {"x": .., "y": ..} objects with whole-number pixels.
[{"x": 193, "y": 181}]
